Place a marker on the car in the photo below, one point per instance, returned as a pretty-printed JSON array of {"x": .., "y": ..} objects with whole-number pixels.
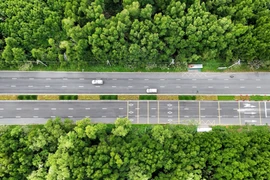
[
  {"x": 97, "y": 81},
  {"x": 151, "y": 91}
]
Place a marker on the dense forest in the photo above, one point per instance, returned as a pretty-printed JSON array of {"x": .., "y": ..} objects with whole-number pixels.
[
  {"x": 67, "y": 151},
  {"x": 81, "y": 33}
]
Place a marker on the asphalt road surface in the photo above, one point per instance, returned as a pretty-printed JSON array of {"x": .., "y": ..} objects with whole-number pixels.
[
  {"x": 133, "y": 83},
  {"x": 139, "y": 112}
]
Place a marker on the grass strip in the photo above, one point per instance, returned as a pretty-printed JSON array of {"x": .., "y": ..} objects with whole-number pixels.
[
  {"x": 8, "y": 97},
  {"x": 167, "y": 97},
  {"x": 48, "y": 97},
  {"x": 68, "y": 97},
  {"x": 148, "y": 97},
  {"x": 242, "y": 98},
  {"x": 108, "y": 97},
  {"x": 206, "y": 98},
  {"x": 27, "y": 97},
  {"x": 186, "y": 97},
  {"x": 88, "y": 97},
  {"x": 128, "y": 97},
  {"x": 226, "y": 98}
]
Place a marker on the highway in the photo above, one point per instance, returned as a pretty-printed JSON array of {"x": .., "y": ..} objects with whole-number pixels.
[
  {"x": 133, "y": 83},
  {"x": 139, "y": 112}
]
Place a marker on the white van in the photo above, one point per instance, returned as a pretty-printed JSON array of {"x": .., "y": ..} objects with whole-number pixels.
[
  {"x": 97, "y": 81},
  {"x": 151, "y": 91}
]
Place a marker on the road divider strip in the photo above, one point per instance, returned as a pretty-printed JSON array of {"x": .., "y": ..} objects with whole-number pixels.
[{"x": 135, "y": 97}]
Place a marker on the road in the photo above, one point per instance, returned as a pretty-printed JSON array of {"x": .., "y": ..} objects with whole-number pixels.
[
  {"x": 139, "y": 112},
  {"x": 133, "y": 83}
]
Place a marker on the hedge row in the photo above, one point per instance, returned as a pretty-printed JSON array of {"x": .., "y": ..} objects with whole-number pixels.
[{"x": 136, "y": 97}]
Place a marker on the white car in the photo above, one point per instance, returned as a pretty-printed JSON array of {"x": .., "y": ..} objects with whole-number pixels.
[
  {"x": 97, "y": 81},
  {"x": 151, "y": 91}
]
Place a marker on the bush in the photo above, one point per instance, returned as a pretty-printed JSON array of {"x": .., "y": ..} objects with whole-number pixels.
[
  {"x": 8, "y": 97},
  {"x": 148, "y": 97},
  {"x": 68, "y": 97},
  {"x": 256, "y": 98},
  {"x": 167, "y": 97},
  {"x": 48, "y": 97},
  {"x": 186, "y": 97},
  {"x": 108, "y": 97},
  {"x": 226, "y": 98},
  {"x": 128, "y": 97},
  {"x": 88, "y": 97},
  {"x": 206, "y": 98},
  {"x": 27, "y": 97},
  {"x": 242, "y": 98}
]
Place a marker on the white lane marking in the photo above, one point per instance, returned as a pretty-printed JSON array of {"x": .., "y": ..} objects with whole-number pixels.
[
  {"x": 203, "y": 116},
  {"x": 210, "y": 79},
  {"x": 64, "y": 86},
  {"x": 121, "y": 108},
  {"x": 169, "y": 112},
  {"x": 13, "y": 86},
  {"x": 97, "y": 86},
  {"x": 70, "y": 108},
  {"x": 225, "y": 79},
  {"x": 104, "y": 108},
  {"x": 30, "y": 86},
  {"x": 52, "y": 116},
  {"x": 242, "y": 87},
  {"x": 186, "y": 116},
  {"x": 36, "y": 109},
  {"x": 47, "y": 86},
  {"x": 258, "y": 87},
  {"x": 162, "y": 79},
  {"x": 257, "y": 79},
  {"x": 137, "y": 108},
  {"x": 153, "y": 116},
  {"x": 130, "y": 79},
  {"x": 202, "y": 108},
  {"x": 235, "y": 116},
  {"x": 235, "y": 108},
  {"x": 114, "y": 79},
  {"x": 48, "y": 78},
  {"x": 1, "y": 116},
  {"x": 131, "y": 120},
  {"x": 162, "y": 86},
  {"x": 210, "y": 86},
  {"x": 35, "y": 116},
  {"x": 170, "y": 105},
  {"x": 31, "y": 78},
  {"x": 186, "y": 108},
  {"x": 103, "y": 116},
  {"x": 87, "y": 116},
  {"x": 146, "y": 86},
  {"x": 226, "y": 87},
  {"x": 194, "y": 86},
  {"x": 81, "y": 86},
  {"x": 70, "y": 116},
  {"x": 219, "y": 109},
  {"x": 130, "y": 104},
  {"x": 194, "y": 79},
  {"x": 18, "y": 116},
  {"x": 178, "y": 79},
  {"x": 242, "y": 79},
  {"x": 153, "y": 108},
  {"x": 146, "y": 79},
  {"x": 65, "y": 79},
  {"x": 53, "y": 109},
  {"x": 113, "y": 86},
  {"x": 81, "y": 78},
  {"x": 130, "y": 86},
  {"x": 251, "y": 121},
  {"x": 265, "y": 109},
  {"x": 18, "y": 109},
  {"x": 178, "y": 86},
  {"x": 1, "y": 109},
  {"x": 250, "y": 113},
  {"x": 14, "y": 78},
  {"x": 87, "y": 108}
]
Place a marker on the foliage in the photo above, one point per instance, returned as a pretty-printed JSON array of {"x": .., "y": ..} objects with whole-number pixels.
[
  {"x": 27, "y": 97},
  {"x": 68, "y": 97},
  {"x": 186, "y": 97},
  {"x": 108, "y": 97},
  {"x": 242, "y": 98},
  {"x": 48, "y": 97},
  {"x": 128, "y": 97},
  {"x": 139, "y": 34},
  {"x": 8, "y": 97},
  {"x": 206, "y": 98},
  {"x": 148, "y": 97},
  {"x": 167, "y": 97},
  {"x": 226, "y": 98},
  {"x": 88, "y": 97}
]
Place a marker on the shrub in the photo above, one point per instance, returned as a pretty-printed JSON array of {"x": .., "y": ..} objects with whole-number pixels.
[
  {"x": 148, "y": 97},
  {"x": 128, "y": 97},
  {"x": 27, "y": 97},
  {"x": 226, "y": 98},
  {"x": 167, "y": 97},
  {"x": 8, "y": 97},
  {"x": 48, "y": 97},
  {"x": 206, "y": 98},
  {"x": 242, "y": 98},
  {"x": 256, "y": 98},
  {"x": 88, "y": 97},
  {"x": 186, "y": 97},
  {"x": 108, "y": 97},
  {"x": 68, "y": 97}
]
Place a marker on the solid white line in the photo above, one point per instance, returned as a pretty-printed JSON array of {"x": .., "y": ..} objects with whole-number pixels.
[
  {"x": 1, "y": 109},
  {"x": 87, "y": 108},
  {"x": 18, "y": 116},
  {"x": 104, "y": 108},
  {"x": 47, "y": 86},
  {"x": 64, "y": 86},
  {"x": 18, "y": 109},
  {"x": 36, "y": 109},
  {"x": 13, "y": 85},
  {"x": 53, "y": 109},
  {"x": 81, "y": 86},
  {"x": 70, "y": 108},
  {"x": 14, "y": 78},
  {"x": 265, "y": 109},
  {"x": 30, "y": 86}
]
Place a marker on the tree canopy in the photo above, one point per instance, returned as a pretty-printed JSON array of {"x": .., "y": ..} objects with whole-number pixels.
[
  {"x": 79, "y": 33},
  {"x": 63, "y": 150}
]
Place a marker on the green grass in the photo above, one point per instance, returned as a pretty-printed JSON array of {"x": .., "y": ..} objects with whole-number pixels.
[
  {"x": 68, "y": 97},
  {"x": 226, "y": 98},
  {"x": 259, "y": 98},
  {"x": 148, "y": 97},
  {"x": 186, "y": 97},
  {"x": 108, "y": 97},
  {"x": 27, "y": 97}
]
